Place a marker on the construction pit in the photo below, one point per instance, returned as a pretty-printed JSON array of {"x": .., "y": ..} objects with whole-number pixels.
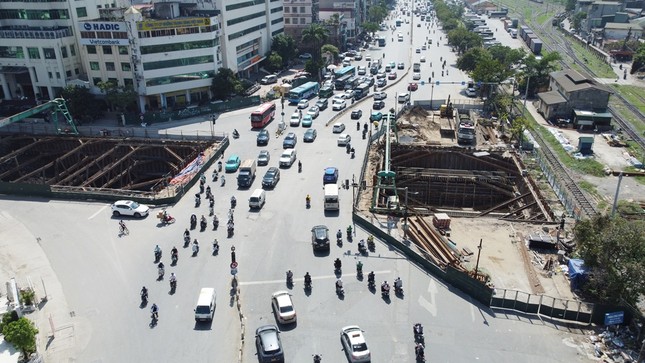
[
  {"x": 483, "y": 191},
  {"x": 70, "y": 167}
]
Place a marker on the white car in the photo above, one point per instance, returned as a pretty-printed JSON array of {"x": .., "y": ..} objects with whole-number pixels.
[
  {"x": 423, "y": 59},
  {"x": 347, "y": 95},
  {"x": 368, "y": 58},
  {"x": 362, "y": 70},
  {"x": 471, "y": 92},
  {"x": 339, "y": 105},
  {"x": 295, "y": 119},
  {"x": 283, "y": 308},
  {"x": 379, "y": 96},
  {"x": 338, "y": 128},
  {"x": 338, "y": 98},
  {"x": 416, "y": 76},
  {"x": 344, "y": 139},
  {"x": 313, "y": 112},
  {"x": 354, "y": 344},
  {"x": 423, "y": 47},
  {"x": 303, "y": 104},
  {"x": 129, "y": 208}
]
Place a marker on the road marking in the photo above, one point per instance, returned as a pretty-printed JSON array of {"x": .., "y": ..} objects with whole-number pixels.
[
  {"x": 97, "y": 212},
  {"x": 324, "y": 277},
  {"x": 431, "y": 305},
  {"x": 472, "y": 311}
]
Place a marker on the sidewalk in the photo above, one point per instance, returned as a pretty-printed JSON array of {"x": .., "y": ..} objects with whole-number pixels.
[{"x": 23, "y": 258}]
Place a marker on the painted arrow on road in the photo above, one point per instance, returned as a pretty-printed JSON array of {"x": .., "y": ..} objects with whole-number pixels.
[{"x": 431, "y": 305}]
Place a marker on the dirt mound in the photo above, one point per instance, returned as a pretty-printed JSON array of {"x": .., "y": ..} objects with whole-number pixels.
[{"x": 416, "y": 111}]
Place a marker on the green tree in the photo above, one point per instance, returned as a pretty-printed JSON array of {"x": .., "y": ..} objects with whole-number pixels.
[
  {"x": 377, "y": 13},
  {"x": 463, "y": 39},
  {"x": 81, "y": 103},
  {"x": 507, "y": 56},
  {"x": 22, "y": 334},
  {"x": 274, "y": 62},
  {"x": 577, "y": 20},
  {"x": 614, "y": 249},
  {"x": 313, "y": 66},
  {"x": 331, "y": 49},
  {"x": 450, "y": 24},
  {"x": 570, "y": 5},
  {"x": 538, "y": 70},
  {"x": 285, "y": 46},
  {"x": 8, "y": 318},
  {"x": 467, "y": 62},
  {"x": 518, "y": 125},
  {"x": 316, "y": 35},
  {"x": 370, "y": 27},
  {"x": 225, "y": 83},
  {"x": 120, "y": 98},
  {"x": 639, "y": 60}
]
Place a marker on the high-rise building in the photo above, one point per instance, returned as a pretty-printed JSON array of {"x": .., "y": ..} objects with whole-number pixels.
[{"x": 299, "y": 14}]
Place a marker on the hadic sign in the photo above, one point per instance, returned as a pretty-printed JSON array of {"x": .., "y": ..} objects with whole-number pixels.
[
  {"x": 103, "y": 33},
  {"x": 103, "y": 26}
]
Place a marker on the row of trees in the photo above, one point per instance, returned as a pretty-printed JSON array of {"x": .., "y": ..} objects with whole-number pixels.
[{"x": 20, "y": 332}]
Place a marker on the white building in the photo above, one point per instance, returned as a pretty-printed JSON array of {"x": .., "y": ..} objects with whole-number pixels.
[
  {"x": 39, "y": 53},
  {"x": 169, "y": 51}
]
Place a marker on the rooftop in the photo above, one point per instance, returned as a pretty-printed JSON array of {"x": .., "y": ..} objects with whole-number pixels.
[
  {"x": 551, "y": 97},
  {"x": 571, "y": 80}
]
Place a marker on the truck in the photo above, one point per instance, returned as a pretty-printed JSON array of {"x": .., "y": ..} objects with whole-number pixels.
[
  {"x": 416, "y": 67},
  {"x": 465, "y": 129},
  {"x": 247, "y": 173}
]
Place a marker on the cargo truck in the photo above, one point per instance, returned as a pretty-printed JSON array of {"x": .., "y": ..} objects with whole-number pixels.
[{"x": 247, "y": 173}]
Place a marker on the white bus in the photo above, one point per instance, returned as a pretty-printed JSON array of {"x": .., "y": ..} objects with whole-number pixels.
[{"x": 332, "y": 202}]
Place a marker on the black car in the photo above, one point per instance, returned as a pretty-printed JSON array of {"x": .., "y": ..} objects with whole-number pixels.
[
  {"x": 263, "y": 138},
  {"x": 373, "y": 70},
  {"x": 322, "y": 104},
  {"x": 290, "y": 141},
  {"x": 320, "y": 237},
  {"x": 271, "y": 177},
  {"x": 268, "y": 344},
  {"x": 310, "y": 135},
  {"x": 378, "y": 105},
  {"x": 356, "y": 114}
]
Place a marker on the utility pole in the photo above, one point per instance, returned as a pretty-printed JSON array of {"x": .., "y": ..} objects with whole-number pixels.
[{"x": 478, "y": 254}]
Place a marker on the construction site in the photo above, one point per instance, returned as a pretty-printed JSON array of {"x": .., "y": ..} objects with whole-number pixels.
[{"x": 107, "y": 167}]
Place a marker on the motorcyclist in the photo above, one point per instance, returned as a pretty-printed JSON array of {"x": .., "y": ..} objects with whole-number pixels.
[
  {"x": 122, "y": 225},
  {"x": 195, "y": 246},
  {"x": 235, "y": 133},
  {"x": 233, "y": 202},
  {"x": 359, "y": 267},
  {"x": 198, "y": 199},
  {"x": 385, "y": 287},
  {"x": 215, "y": 246},
  {"x": 370, "y": 277},
  {"x": 308, "y": 199},
  {"x": 299, "y": 166},
  {"x": 157, "y": 252},
  {"x": 289, "y": 276},
  {"x": 174, "y": 251},
  {"x": 223, "y": 180},
  {"x": 173, "y": 278},
  {"x": 219, "y": 166},
  {"x": 419, "y": 350},
  {"x": 307, "y": 279},
  {"x": 154, "y": 310},
  {"x": 339, "y": 284},
  {"x": 338, "y": 264},
  {"x": 187, "y": 232},
  {"x": 361, "y": 245},
  {"x": 144, "y": 293},
  {"x": 339, "y": 234},
  {"x": 215, "y": 222},
  {"x": 349, "y": 231},
  {"x": 398, "y": 284}
]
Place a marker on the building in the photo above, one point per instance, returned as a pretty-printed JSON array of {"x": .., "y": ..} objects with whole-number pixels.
[
  {"x": 39, "y": 53},
  {"x": 598, "y": 13},
  {"x": 170, "y": 51},
  {"x": 299, "y": 14},
  {"x": 349, "y": 18},
  {"x": 620, "y": 31},
  {"x": 570, "y": 91}
]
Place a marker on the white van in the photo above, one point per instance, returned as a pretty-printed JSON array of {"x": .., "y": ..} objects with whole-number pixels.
[
  {"x": 205, "y": 304},
  {"x": 332, "y": 202},
  {"x": 272, "y": 78},
  {"x": 257, "y": 199},
  {"x": 404, "y": 97}
]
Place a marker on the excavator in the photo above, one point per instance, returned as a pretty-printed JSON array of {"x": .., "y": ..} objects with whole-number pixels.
[{"x": 54, "y": 108}]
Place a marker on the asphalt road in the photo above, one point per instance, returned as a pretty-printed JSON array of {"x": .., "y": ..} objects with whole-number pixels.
[{"x": 102, "y": 273}]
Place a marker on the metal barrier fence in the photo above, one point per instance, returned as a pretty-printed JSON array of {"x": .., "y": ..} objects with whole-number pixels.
[
  {"x": 543, "y": 305},
  {"x": 560, "y": 190}
]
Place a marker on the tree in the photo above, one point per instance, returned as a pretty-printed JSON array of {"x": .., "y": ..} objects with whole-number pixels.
[
  {"x": 81, "y": 103},
  {"x": 507, "y": 56},
  {"x": 331, "y": 49},
  {"x": 22, "y": 334},
  {"x": 468, "y": 61},
  {"x": 538, "y": 70},
  {"x": 313, "y": 66},
  {"x": 315, "y": 34},
  {"x": 614, "y": 249},
  {"x": 370, "y": 27},
  {"x": 450, "y": 24},
  {"x": 570, "y": 5},
  {"x": 518, "y": 125},
  {"x": 120, "y": 98},
  {"x": 285, "y": 46},
  {"x": 577, "y": 20},
  {"x": 639, "y": 60},
  {"x": 377, "y": 13},
  {"x": 225, "y": 84},
  {"x": 274, "y": 62},
  {"x": 463, "y": 39}
]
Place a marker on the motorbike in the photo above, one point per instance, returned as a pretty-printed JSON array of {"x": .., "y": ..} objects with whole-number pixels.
[
  {"x": 165, "y": 218},
  {"x": 198, "y": 200},
  {"x": 398, "y": 290},
  {"x": 299, "y": 167},
  {"x": 349, "y": 233},
  {"x": 161, "y": 271},
  {"x": 203, "y": 224},
  {"x": 317, "y": 358},
  {"x": 339, "y": 238},
  {"x": 370, "y": 243},
  {"x": 144, "y": 298},
  {"x": 337, "y": 266},
  {"x": 359, "y": 269},
  {"x": 385, "y": 291},
  {"x": 361, "y": 248},
  {"x": 201, "y": 188},
  {"x": 157, "y": 255},
  {"x": 186, "y": 241},
  {"x": 417, "y": 329},
  {"x": 308, "y": 202},
  {"x": 173, "y": 285},
  {"x": 223, "y": 181},
  {"x": 195, "y": 248},
  {"x": 233, "y": 202},
  {"x": 215, "y": 175},
  {"x": 193, "y": 221},
  {"x": 215, "y": 222},
  {"x": 289, "y": 278},
  {"x": 339, "y": 289},
  {"x": 230, "y": 230},
  {"x": 370, "y": 281},
  {"x": 215, "y": 247},
  {"x": 174, "y": 258},
  {"x": 308, "y": 284},
  {"x": 353, "y": 153},
  {"x": 419, "y": 351}
]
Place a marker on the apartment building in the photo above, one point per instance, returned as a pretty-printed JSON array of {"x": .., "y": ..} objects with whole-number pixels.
[{"x": 299, "y": 14}]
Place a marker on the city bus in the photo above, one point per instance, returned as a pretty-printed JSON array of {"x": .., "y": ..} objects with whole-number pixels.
[
  {"x": 263, "y": 115},
  {"x": 303, "y": 92},
  {"x": 381, "y": 41},
  {"x": 326, "y": 92},
  {"x": 331, "y": 201},
  {"x": 352, "y": 82},
  {"x": 339, "y": 83},
  {"x": 361, "y": 91},
  {"x": 345, "y": 71}
]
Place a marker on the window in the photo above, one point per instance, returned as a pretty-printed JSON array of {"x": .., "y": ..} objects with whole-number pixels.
[
  {"x": 125, "y": 67},
  {"x": 245, "y": 18},
  {"x": 49, "y": 74},
  {"x": 50, "y": 53},
  {"x": 63, "y": 51},
  {"x": 179, "y": 78},
  {"x": 286, "y": 10},
  {"x": 76, "y": 72},
  {"x": 276, "y": 21},
  {"x": 69, "y": 74},
  {"x": 91, "y": 49},
  {"x": 123, "y": 50},
  {"x": 128, "y": 82},
  {"x": 81, "y": 12},
  {"x": 107, "y": 49},
  {"x": 303, "y": 20},
  {"x": 95, "y": 66},
  {"x": 302, "y": 10},
  {"x": 109, "y": 66},
  {"x": 113, "y": 81},
  {"x": 287, "y": 20},
  {"x": 72, "y": 50},
  {"x": 34, "y": 53},
  {"x": 178, "y": 62},
  {"x": 176, "y": 47},
  {"x": 57, "y": 75},
  {"x": 294, "y": 9},
  {"x": 277, "y": 10},
  {"x": 96, "y": 80}
]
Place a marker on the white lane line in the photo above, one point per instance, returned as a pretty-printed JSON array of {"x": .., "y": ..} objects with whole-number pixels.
[
  {"x": 472, "y": 311},
  {"x": 324, "y": 277},
  {"x": 97, "y": 212},
  {"x": 431, "y": 305}
]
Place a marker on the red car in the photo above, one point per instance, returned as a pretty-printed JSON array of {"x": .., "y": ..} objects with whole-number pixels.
[{"x": 413, "y": 86}]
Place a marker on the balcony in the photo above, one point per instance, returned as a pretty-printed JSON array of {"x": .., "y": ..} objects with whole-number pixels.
[{"x": 39, "y": 33}]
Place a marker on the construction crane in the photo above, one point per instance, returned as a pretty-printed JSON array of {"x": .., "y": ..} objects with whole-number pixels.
[{"x": 54, "y": 107}]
